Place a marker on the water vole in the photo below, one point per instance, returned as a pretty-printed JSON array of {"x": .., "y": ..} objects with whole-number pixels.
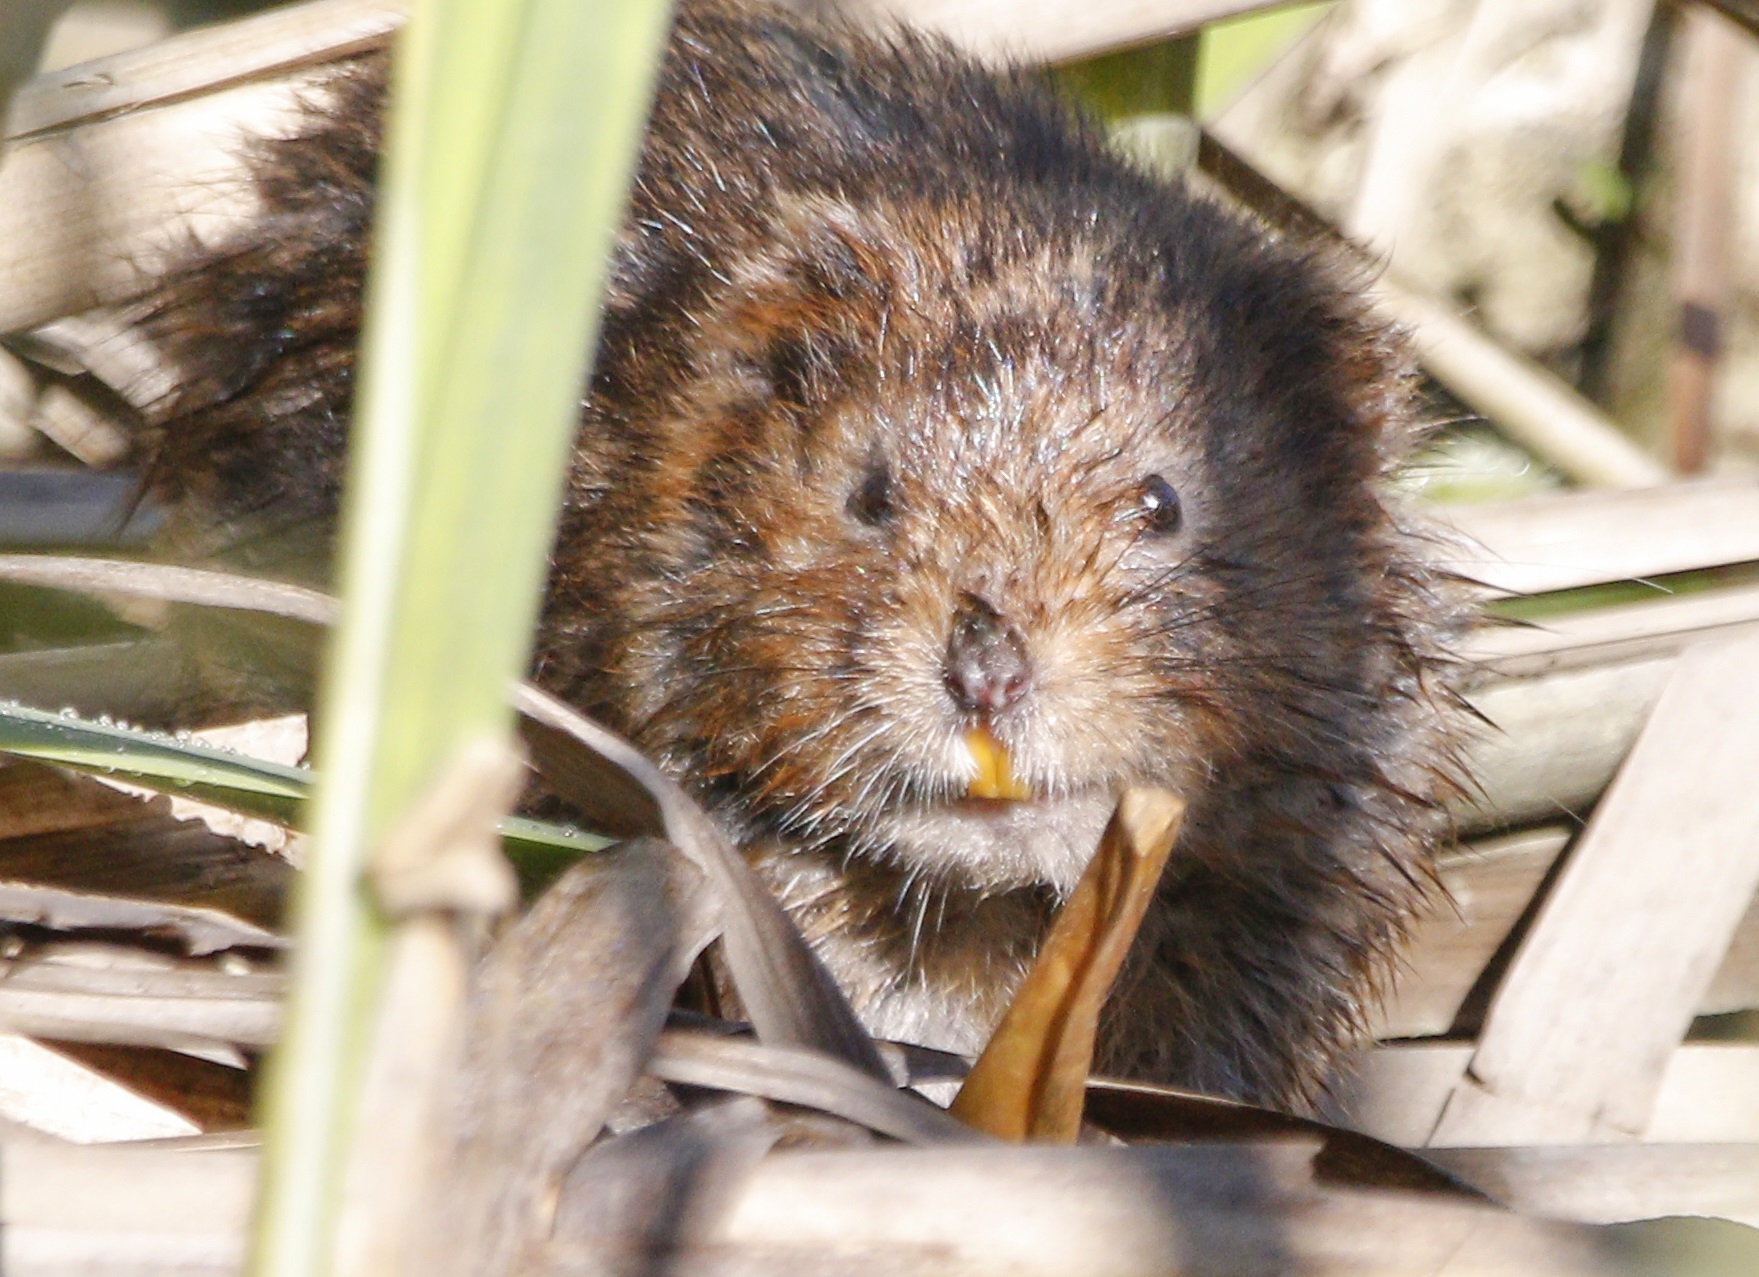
[{"x": 918, "y": 420}]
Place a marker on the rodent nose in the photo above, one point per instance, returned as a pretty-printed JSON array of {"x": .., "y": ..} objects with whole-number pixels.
[{"x": 987, "y": 668}]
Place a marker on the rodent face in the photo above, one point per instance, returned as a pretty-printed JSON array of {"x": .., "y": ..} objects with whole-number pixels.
[
  {"x": 1033, "y": 581},
  {"x": 906, "y": 504}
]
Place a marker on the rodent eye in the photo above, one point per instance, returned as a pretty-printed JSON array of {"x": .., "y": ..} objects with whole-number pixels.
[
  {"x": 1160, "y": 506},
  {"x": 871, "y": 503}
]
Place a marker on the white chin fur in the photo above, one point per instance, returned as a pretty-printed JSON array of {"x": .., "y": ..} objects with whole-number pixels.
[{"x": 1002, "y": 845}]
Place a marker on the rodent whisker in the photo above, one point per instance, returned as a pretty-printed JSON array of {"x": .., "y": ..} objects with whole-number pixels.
[{"x": 839, "y": 767}]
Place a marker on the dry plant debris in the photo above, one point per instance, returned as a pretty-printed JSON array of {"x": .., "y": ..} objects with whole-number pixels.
[
  {"x": 1262, "y": 1198},
  {"x": 1031, "y": 1079}
]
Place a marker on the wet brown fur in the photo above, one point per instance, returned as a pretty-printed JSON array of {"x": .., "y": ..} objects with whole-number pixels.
[{"x": 849, "y": 257}]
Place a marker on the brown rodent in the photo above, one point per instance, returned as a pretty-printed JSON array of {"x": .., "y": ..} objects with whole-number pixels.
[{"x": 917, "y": 411}]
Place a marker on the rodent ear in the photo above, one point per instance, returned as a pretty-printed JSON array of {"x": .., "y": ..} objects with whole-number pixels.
[
  {"x": 791, "y": 313},
  {"x": 829, "y": 259},
  {"x": 843, "y": 252}
]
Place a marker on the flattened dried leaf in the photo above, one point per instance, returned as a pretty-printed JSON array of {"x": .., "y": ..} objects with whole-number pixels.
[
  {"x": 199, "y": 930},
  {"x": 1141, "y": 1111},
  {"x": 216, "y": 1097},
  {"x": 807, "y": 1078},
  {"x": 1030, "y": 1079},
  {"x": 76, "y": 855},
  {"x": 790, "y": 997},
  {"x": 564, "y": 1014},
  {"x": 36, "y": 799}
]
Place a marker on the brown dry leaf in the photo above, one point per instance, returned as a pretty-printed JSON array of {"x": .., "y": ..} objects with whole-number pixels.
[
  {"x": 786, "y": 991},
  {"x": 1031, "y": 1078},
  {"x": 564, "y": 1013},
  {"x": 76, "y": 855}
]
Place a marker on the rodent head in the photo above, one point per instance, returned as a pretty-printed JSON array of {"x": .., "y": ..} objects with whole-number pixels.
[{"x": 1105, "y": 499}]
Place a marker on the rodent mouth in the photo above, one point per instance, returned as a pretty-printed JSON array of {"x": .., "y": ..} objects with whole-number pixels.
[
  {"x": 979, "y": 806},
  {"x": 1002, "y": 843}
]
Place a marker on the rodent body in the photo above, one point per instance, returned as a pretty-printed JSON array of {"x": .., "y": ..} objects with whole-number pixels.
[{"x": 915, "y": 412}]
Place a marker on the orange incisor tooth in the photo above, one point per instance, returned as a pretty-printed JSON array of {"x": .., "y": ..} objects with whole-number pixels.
[{"x": 995, "y": 770}]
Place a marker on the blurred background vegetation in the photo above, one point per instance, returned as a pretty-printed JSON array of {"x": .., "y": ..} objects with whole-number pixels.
[{"x": 1531, "y": 162}]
